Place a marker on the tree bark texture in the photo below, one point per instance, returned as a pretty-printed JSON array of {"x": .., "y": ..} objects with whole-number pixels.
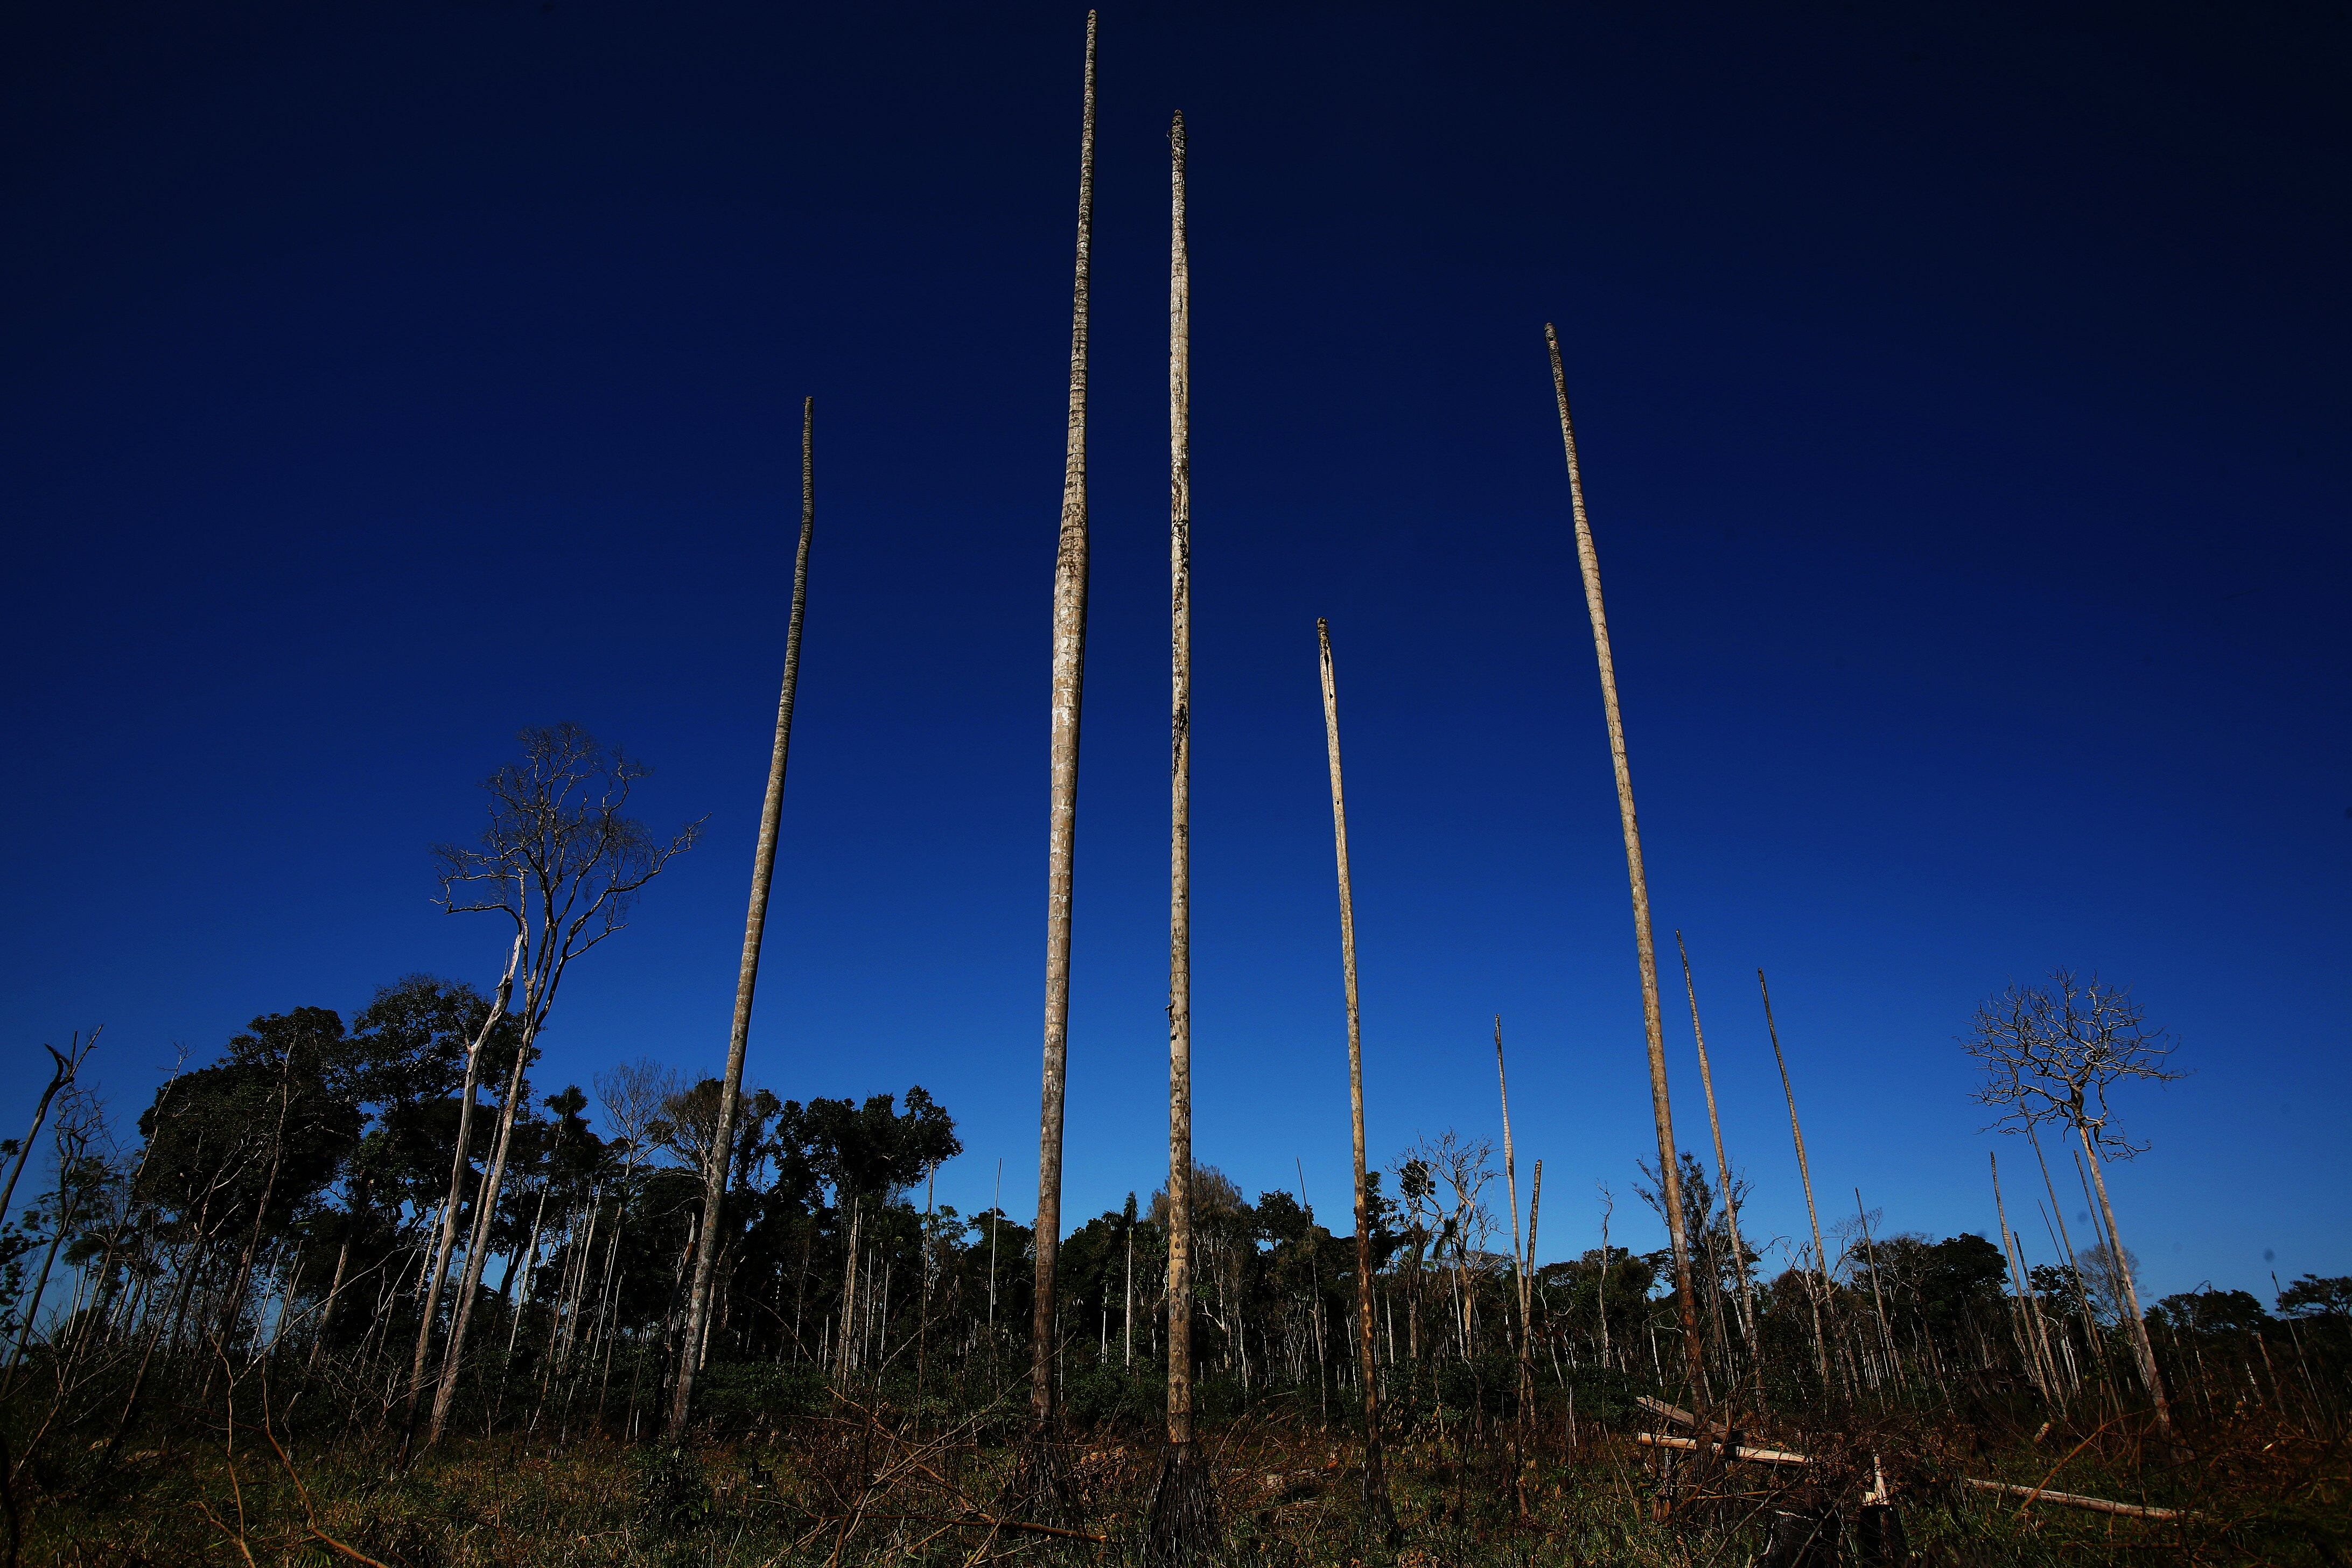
[
  {"x": 1645, "y": 947},
  {"x": 755, "y": 925},
  {"x": 2121, "y": 1262},
  {"x": 1068, "y": 683},
  {"x": 1179, "y": 808},
  {"x": 1376, "y": 1491}
]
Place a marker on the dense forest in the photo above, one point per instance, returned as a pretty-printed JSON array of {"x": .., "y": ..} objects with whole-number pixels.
[{"x": 292, "y": 1232}]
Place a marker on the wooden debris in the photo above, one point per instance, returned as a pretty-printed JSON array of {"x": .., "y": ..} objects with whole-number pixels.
[
  {"x": 1736, "y": 1451},
  {"x": 2072, "y": 1500}
]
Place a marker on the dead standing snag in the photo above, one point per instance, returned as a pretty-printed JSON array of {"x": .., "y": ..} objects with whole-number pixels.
[
  {"x": 1644, "y": 947},
  {"x": 2054, "y": 1055},
  {"x": 561, "y": 859},
  {"x": 755, "y": 925},
  {"x": 1723, "y": 1175},
  {"x": 1047, "y": 1483},
  {"x": 1818, "y": 1285},
  {"x": 1183, "y": 1524},
  {"x": 1376, "y": 1487}
]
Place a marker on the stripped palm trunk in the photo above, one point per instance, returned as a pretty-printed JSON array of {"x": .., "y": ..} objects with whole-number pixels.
[
  {"x": 1804, "y": 1170},
  {"x": 1048, "y": 1488},
  {"x": 1376, "y": 1489},
  {"x": 755, "y": 925},
  {"x": 1183, "y": 1522},
  {"x": 1669, "y": 1186},
  {"x": 1723, "y": 1175}
]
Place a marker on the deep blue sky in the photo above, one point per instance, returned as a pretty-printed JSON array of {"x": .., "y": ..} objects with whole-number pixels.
[{"x": 1963, "y": 402}]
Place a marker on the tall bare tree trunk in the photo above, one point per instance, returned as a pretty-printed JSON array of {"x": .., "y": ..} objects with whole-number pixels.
[
  {"x": 2074, "y": 1264},
  {"x": 1804, "y": 1170},
  {"x": 69, "y": 1062},
  {"x": 755, "y": 926},
  {"x": 477, "y": 1246},
  {"x": 460, "y": 1165},
  {"x": 1376, "y": 1488},
  {"x": 2121, "y": 1263},
  {"x": 2013, "y": 1258},
  {"x": 1521, "y": 1260},
  {"x": 1182, "y": 1527},
  {"x": 1878, "y": 1296},
  {"x": 1669, "y": 1186},
  {"x": 1069, "y": 688},
  {"x": 1723, "y": 1175}
]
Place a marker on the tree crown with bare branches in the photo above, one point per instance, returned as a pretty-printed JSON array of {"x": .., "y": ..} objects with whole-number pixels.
[
  {"x": 2055, "y": 1052},
  {"x": 560, "y": 856}
]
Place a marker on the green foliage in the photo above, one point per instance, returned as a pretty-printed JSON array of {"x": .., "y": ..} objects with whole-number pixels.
[
  {"x": 2314, "y": 1297},
  {"x": 2206, "y": 1312}
]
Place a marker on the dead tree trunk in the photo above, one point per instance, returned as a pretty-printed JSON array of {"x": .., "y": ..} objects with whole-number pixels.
[
  {"x": 1184, "y": 1525},
  {"x": 1669, "y": 1186},
  {"x": 2121, "y": 1263},
  {"x": 1805, "y": 1171},
  {"x": 1723, "y": 1175},
  {"x": 460, "y": 1164},
  {"x": 1068, "y": 685},
  {"x": 1521, "y": 1259},
  {"x": 478, "y": 1246},
  {"x": 69, "y": 1062},
  {"x": 755, "y": 926},
  {"x": 1376, "y": 1490}
]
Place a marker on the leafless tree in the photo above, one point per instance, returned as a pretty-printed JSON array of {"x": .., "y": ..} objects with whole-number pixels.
[
  {"x": 1376, "y": 1487},
  {"x": 69, "y": 1062},
  {"x": 561, "y": 859},
  {"x": 755, "y": 925},
  {"x": 1183, "y": 1522},
  {"x": 1062, "y": 826},
  {"x": 1818, "y": 1285},
  {"x": 461, "y": 1165},
  {"x": 1723, "y": 1177},
  {"x": 2054, "y": 1054},
  {"x": 1644, "y": 946}
]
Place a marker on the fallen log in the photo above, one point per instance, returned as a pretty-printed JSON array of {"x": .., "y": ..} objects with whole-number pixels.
[
  {"x": 2072, "y": 1500},
  {"x": 1740, "y": 1451},
  {"x": 1678, "y": 1416}
]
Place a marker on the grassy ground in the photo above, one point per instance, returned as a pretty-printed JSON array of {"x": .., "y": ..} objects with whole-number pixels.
[{"x": 843, "y": 1491}]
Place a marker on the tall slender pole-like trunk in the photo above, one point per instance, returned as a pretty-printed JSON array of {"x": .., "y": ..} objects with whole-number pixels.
[
  {"x": 755, "y": 926},
  {"x": 2121, "y": 1264},
  {"x": 2074, "y": 1264},
  {"x": 1376, "y": 1490},
  {"x": 486, "y": 1208},
  {"x": 460, "y": 1164},
  {"x": 1182, "y": 1527},
  {"x": 1520, "y": 1261},
  {"x": 2013, "y": 1258},
  {"x": 1723, "y": 1175},
  {"x": 1061, "y": 816},
  {"x": 1877, "y": 1296},
  {"x": 1805, "y": 1171},
  {"x": 1670, "y": 1188}
]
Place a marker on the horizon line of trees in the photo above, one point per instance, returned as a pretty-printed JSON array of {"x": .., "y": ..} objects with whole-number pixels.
[{"x": 276, "y": 1217}]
